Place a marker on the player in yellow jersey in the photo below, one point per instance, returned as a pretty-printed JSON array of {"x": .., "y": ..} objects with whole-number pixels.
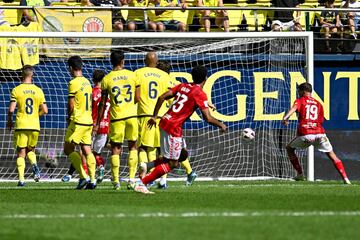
[
  {"x": 30, "y": 102},
  {"x": 79, "y": 131},
  {"x": 122, "y": 86},
  {"x": 153, "y": 83},
  {"x": 191, "y": 174}
]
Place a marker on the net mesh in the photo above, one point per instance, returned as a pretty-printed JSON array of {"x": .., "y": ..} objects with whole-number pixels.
[{"x": 241, "y": 85}]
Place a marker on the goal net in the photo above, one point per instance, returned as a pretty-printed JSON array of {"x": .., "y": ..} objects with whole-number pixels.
[{"x": 252, "y": 81}]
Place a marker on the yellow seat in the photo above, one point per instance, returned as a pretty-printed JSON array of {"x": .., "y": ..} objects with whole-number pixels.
[
  {"x": 251, "y": 20},
  {"x": 312, "y": 15}
]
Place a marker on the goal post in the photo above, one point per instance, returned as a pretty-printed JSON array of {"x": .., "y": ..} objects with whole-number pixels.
[{"x": 251, "y": 82}]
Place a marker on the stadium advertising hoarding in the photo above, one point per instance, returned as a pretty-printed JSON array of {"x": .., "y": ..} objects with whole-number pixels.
[{"x": 245, "y": 96}]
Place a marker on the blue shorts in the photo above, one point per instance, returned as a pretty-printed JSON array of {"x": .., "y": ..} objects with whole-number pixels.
[
  {"x": 171, "y": 25},
  {"x": 139, "y": 25}
]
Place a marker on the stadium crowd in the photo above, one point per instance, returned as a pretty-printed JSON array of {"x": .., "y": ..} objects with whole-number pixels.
[{"x": 328, "y": 22}]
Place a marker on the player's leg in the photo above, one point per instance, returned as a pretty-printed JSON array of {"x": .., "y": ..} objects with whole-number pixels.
[
  {"x": 75, "y": 158},
  {"x": 144, "y": 133},
  {"x": 20, "y": 143},
  {"x": 191, "y": 174},
  {"x": 323, "y": 145},
  {"x": 117, "y": 134},
  {"x": 290, "y": 149},
  {"x": 339, "y": 166},
  {"x": 115, "y": 164},
  {"x": 170, "y": 149},
  {"x": 131, "y": 134},
  {"x": 30, "y": 154},
  {"x": 91, "y": 164},
  {"x": 76, "y": 161},
  {"x": 99, "y": 143}
]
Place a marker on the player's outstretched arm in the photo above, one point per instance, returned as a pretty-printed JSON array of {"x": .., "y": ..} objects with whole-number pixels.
[
  {"x": 211, "y": 120},
  {"x": 165, "y": 96},
  {"x": 11, "y": 111},
  {"x": 286, "y": 117},
  {"x": 43, "y": 109}
]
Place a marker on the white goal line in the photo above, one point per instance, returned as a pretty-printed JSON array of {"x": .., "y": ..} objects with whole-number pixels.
[{"x": 254, "y": 214}]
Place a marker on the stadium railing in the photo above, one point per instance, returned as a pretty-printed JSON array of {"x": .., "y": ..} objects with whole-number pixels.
[{"x": 242, "y": 16}]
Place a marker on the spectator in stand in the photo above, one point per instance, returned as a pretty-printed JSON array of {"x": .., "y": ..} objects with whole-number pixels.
[
  {"x": 164, "y": 19},
  {"x": 218, "y": 17},
  {"x": 29, "y": 14},
  {"x": 284, "y": 20},
  {"x": 353, "y": 18},
  {"x": 117, "y": 20},
  {"x": 330, "y": 22},
  {"x": 135, "y": 19}
]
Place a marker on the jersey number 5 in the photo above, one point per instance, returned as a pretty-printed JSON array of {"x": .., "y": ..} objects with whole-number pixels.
[
  {"x": 178, "y": 104},
  {"x": 311, "y": 112}
]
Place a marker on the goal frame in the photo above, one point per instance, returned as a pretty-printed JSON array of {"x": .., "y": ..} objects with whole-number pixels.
[{"x": 309, "y": 52}]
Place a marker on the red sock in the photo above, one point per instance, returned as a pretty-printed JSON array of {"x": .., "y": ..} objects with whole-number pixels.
[
  {"x": 85, "y": 167},
  {"x": 296, "y": 164},
  {"x": 99, "y": 161},
  {"x": 156, "y": 173},
  {"x": 340, "y": 167}
]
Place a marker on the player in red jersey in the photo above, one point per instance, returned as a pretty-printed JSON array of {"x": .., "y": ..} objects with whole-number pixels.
[
  {"x": 188, "y": 97},
  {"x": 100, "y": 138},
  {"x": 310, "y": 131}
]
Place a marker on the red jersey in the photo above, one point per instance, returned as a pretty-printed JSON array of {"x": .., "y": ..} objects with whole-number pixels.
[
  {"x": 310, "y": 116},
  {"x": 188, "y": 97},
  {"x": 104, "y": 124}
]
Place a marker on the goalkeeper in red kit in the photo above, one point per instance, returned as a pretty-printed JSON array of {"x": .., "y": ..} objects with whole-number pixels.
[
  {"x": 188, "y": 97},
  {"x": 310, "y": 131}
]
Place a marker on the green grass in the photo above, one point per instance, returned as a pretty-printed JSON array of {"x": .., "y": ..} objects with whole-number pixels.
[{"x": 207, "y": 210}]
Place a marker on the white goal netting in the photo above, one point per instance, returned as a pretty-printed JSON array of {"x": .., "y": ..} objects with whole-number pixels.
[{"x": 250, "y": 83}]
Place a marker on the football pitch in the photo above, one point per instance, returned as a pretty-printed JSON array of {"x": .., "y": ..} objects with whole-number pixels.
[{"x": 206, "y": 210}]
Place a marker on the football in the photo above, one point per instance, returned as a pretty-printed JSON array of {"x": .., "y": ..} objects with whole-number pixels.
[{"x": 248, "y": 134}]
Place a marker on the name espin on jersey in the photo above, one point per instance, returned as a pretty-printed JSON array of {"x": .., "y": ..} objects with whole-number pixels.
[{"x": 29, "y": 92}]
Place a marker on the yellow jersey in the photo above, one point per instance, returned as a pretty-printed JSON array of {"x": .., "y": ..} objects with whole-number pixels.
[
  {"x": 167, "y": 15},
  {"x": 121, "y": 86},
  {"x": 10, "y": 54},
  {"x": 28, "y": 98},
  {"x": 80, "y": 89},
  {"x": 153, "y": 83},
  {"x": 137, "y": 15},
  {"x": 29, "y": 47}
]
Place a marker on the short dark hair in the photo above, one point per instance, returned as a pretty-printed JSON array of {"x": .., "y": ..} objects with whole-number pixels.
[
  {"x": 305, "y": 87},
  {"x": 27, "y": 70},
  {"x": 163, "y": 65},
  {"x": 98, "y": 75},
  {"x": 116, "y": 57},
  {"x": 75, "y": 62},
  {"x": 199, "y": 74}
]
